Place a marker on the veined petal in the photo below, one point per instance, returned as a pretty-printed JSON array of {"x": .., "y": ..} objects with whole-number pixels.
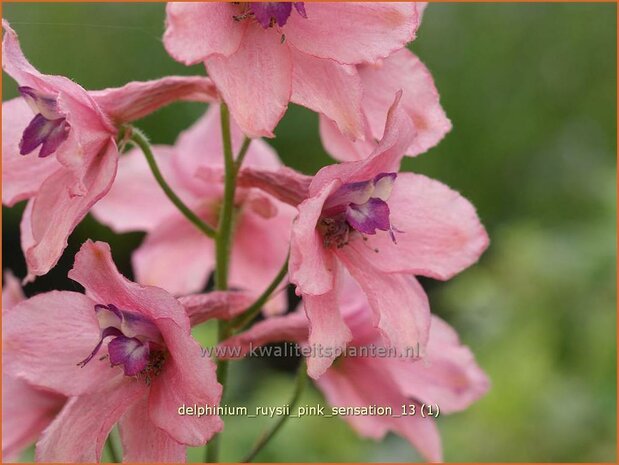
[
  {"x": 21, "y": 176},
  {"x": 55, "y": 212},
  {"x": 195, "y": 31},
  {"x": 78, "y": 434},
  {"x": 352, "y": 32},
  {"x": 386, "y": 157},
  {"x": 329, "y": 88},
  {"x": 399, "y": 303},
  {"x": 440, "y": 232},
  {"x": 420, "y": 99},
  {"x": 188, "y": 377},
  {"x": 95, "y": 270},
  {"x": 312, "y": 267},
  {"x": 143, "y": 442},
  {"x": 46, "y": 336},
  {"x": 256, "y": 81}
]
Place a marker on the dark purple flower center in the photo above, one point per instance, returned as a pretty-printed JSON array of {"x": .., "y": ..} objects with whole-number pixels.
[
  {"x": 48, "y": 129},
  {"x": 358, "y": 207},
  {"x": 268, "y": 14},
  {"x": 134, "y": 342}
]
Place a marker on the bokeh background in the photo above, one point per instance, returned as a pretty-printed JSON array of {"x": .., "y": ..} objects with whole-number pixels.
[{"x": 530, "y": 89}]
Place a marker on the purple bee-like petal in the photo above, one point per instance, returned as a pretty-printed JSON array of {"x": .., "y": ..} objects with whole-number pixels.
[
  {"x": 129, "y": 323},
  {"x": 40, "y": 103},
  {"x": 268, "y": 13},
  {"x": 370, "y": 216},
  {"x": 107, "y": 332},
  {"x": 353, "y": 192},
  {"x": 130, "y": 353},
  {"x": 383, "y": 183},
  {"x": 42, "y": 131}
]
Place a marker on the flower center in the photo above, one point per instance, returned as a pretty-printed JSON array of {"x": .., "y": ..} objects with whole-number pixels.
[
  {"x": 48, "y": 129},
  {"x": 270, "y": 13},
  {"x": 134, "y": 342},
  {"x": 357, "y": 208}
]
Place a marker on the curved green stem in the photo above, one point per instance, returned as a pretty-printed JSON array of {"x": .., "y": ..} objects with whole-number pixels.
[
  {"x": 241, "y": 156},
  {"x": 241, "y": 321},
  {"x": 141, "y": 141},
  {"x": 111, "y": 450},
  {"x": 296, "y": 395}
]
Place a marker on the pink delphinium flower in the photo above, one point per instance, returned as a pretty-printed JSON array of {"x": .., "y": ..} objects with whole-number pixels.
[
  {"x": 447, "y": 374},
  {"x": 384, "y": 227},
  {"x": 26, "y": 409},
  {"x": 59, "y": 149},
  {"x": 175, "y": 254},
  {"x": 263, "y": 55},
  {"x": 124, "y": 354},
  {"x": 420, "y": 100}
]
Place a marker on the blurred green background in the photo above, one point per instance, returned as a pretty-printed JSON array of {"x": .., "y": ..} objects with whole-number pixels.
[{"x": 530, "y": 89}]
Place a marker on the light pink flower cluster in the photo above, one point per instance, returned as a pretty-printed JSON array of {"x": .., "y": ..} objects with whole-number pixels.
[{"x": 357, "y": 233}]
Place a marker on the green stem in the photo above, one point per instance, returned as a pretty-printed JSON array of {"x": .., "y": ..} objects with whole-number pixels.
[
  {"x": 224, "y": 230},
  {"x": 111, "y": 450},
  {"x": 241, "y": 156},
  {"x": 223, "y": 239},
  {"x": 242, "y": 321},
  {"x": 296, "y": 395},
  {"x": 141, "y": 141}
]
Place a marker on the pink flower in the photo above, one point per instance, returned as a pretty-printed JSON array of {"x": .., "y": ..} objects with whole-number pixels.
[
  {"x": 263, "y": 55},
  {"x": 124, "y": 354},
  {"x": 59, "y": 149},
  {"x": 26, "y": 409},
  {"x": 420, "y": 100},
  {"x": 384, "y": 227},
  {"x": 447, "y": 375},
  {"x": 175, "y": 254}
]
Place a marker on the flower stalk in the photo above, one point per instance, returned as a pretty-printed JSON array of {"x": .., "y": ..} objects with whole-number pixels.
[{"x": 139, "y": 139}]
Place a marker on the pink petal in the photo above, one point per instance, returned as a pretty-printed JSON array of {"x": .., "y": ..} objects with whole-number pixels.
[
  {"x": 12, "y": 292},
  {"x": 201, "y": 147},
  {"x": 259, "y": 250},
  {"x": 386, "y": 157},
  {"x": 222, "y": 305},
  {"x": 420, "y": 99},
  {"x": 352, "y": 32},
  {"x": 22, "y": 176},
  {"x": 448, "y": 375},
  {"x": 55, "y": 212},
  {"x": 311, "y": 267},
  {"x": 328, "y": 88},
  {"x": 95, "y": 270},
  {"x": 136, "y": 100},
  {"x": 293, "y": 327},
  {"x": 328, "y": 331},
  {"x": 399, "y": 303},
  {"x": 78, "y": 434},
  {"x": 188, "y": 378},
  {"x": 441, "y": 233},
  {"x": 285, "y": 184},
  {"x": 361, "y": 382},
  {"x": 73, "y": 99},
  {"x": 46, "y": 336},
  {"x": 143, "y": 442},
  {"x": 256, "y": 81},
  {"x": 26, "y": 412},
  {"x": 195, "y": 31},
  {"x": 135, "y": 201},
  {"x": 341, "y": 147},
  {"x": 175, "y": 256}
]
